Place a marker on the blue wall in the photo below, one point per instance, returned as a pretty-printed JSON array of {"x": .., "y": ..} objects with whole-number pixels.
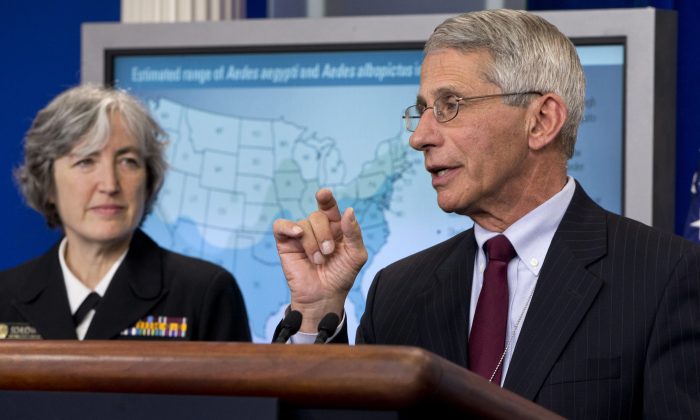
[
  {"x": 41, "y": 58},
  {"x": 688, "y": 106}
]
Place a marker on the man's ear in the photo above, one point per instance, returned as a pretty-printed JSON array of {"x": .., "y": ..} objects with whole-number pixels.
[{"x": 548, "y": 113}]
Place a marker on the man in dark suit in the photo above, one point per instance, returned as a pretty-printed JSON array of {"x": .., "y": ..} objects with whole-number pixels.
[{"x": 582, "y": 311}]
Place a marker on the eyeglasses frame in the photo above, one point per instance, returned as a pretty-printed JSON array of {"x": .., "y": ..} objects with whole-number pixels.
[{"x": 460, "y": 100}]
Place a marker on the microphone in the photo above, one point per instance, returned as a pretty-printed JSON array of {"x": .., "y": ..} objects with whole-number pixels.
[
  {"x": 327, "y": 327},
  {"x": 290, "y": 325}
]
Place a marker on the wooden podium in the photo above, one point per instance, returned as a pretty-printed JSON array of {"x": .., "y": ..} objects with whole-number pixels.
[{"x": 397, "y": 381}]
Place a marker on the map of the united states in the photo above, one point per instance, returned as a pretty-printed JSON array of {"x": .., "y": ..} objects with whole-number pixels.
[{"x": 231, "y": 177}]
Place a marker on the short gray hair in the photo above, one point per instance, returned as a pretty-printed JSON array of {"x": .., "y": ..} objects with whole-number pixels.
[
  {"x": 528, "y": 53},
  {"x": 83, "y": 113}
]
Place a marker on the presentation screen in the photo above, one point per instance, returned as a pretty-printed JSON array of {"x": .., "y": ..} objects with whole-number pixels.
[{"x": 254, "y": 134}]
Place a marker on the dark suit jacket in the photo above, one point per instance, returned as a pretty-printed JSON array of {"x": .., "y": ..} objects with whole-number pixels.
[
  {"x": 613, "y": 330},
  {"x": 150, "y": 281}
]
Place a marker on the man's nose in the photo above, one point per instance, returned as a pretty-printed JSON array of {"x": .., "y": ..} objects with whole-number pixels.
[{"x": 426, "y": 133}]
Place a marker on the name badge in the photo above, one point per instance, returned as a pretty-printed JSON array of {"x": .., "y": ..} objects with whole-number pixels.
[{"x": 18, "y": 331}]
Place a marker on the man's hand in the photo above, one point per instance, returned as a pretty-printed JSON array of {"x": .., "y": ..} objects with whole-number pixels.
[{"x": 321, "y": 257}]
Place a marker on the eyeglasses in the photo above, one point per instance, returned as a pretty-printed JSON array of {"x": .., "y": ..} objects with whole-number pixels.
[{"x": 446, "y": 108}]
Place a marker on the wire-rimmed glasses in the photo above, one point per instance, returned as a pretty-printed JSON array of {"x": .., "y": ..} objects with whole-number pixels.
[{"x": 446, "y": 107}]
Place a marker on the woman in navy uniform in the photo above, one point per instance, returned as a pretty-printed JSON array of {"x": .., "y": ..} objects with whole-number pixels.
[{"x": 93, "y": 165}]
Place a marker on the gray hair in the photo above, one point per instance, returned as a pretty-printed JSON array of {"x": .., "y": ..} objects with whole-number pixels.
[
  {"x": 81, "y": 114},
  {"x": 528, "y": 53}
]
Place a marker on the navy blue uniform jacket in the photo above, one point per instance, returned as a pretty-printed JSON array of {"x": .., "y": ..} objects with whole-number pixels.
[{"x": 151, "y": 281}]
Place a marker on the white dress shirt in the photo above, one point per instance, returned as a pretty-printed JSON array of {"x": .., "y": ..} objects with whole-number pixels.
[
  {"x": 531, "y": 236},
  {"x": 77, "y": 291}
]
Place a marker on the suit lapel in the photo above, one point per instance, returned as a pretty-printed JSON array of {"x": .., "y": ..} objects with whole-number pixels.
[
  {"x": 43, "y": 300},
  {"x": 443, "y": 321},
  {"x": 565, "y": 291},
  {"x": 136, "y": 288}
]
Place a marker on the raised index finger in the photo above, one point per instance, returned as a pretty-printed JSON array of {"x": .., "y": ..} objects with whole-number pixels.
[{"x": 327, "y": 204}]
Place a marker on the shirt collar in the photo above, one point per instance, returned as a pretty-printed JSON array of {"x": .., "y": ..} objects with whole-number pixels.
[
  {"x": 76, "y": 290},
  {"x": 532, "y": 233}
]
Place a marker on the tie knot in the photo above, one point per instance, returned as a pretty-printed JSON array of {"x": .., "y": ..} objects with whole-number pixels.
[
  {"x": 499, "y": 248},
  {"x": 90, "y": 302}
]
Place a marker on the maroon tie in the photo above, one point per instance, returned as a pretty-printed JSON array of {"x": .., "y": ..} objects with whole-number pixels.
[{"x": 488, "y": 333}]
